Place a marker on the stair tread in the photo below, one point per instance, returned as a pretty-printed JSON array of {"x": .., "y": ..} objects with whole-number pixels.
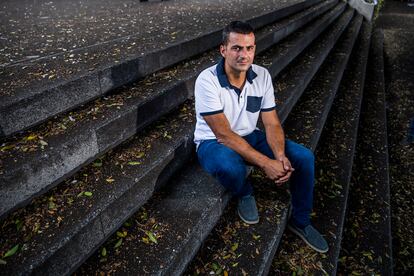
[
  {"x": 251, "y": 261},
  {"x": 265, "y": 250},
  {"x": 306, "y": 120},
  {"x": 239, "y": 248},
  {"x": 170, "y": 207},
  {"x": 334, "y": 157},
  {"x": 74, "y": 228},
  {"x": 294, "y": 79},
  {"x": 367, "y": 239},
  {"x": 335, "y": 162},
  {"x": 184, "y": 211},
  {"x": 32, "y": 101},
  {"x": 147, "y": 14},
  {"x": 145, "y": 47},
  {"x": 278, "y": 30},
  {"x": 93, "y": 129},
  {"x": 118, "y": 184},
  {"x": 292, "y": 46}
]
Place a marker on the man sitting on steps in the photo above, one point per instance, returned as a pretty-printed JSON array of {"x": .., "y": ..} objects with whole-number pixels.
[{"x": 229, "y": 97}]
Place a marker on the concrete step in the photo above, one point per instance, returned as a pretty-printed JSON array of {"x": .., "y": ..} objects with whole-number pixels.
[
  {"x": 395, "y": 16},
  {"x": 336, "y": 153},
  {"x": 171, "y": 255},
  {"x": 75, "y": 139},
  {"x": 272, "y": 34},
  {"x": 296, "y": 77},
  {"x": 35, "y": 91},
  {"x": 334, "y": 159},
  {"x": 255, "y": 255},
  {"x": 63, "y": 227},
  {"x": 292, "y": 46},
  {"x": 87, "y": 25},
  {"x": 242, "y": 249},
  {"x": 307, "y": 119},
  {"x": 180, "y": 217},
  {"x": 367, "y": 244},
  {"x": 70, "y": 251}
]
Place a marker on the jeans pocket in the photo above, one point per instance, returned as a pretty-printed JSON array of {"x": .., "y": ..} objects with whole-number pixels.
[{"x": 253, "y": 103}]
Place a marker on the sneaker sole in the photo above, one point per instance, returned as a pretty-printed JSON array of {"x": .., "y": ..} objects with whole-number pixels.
[
  {"x": 303, "y": 238},
  {"x": 248, "y": 221}
]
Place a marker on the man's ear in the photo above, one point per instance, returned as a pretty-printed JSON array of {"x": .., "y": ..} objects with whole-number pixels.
[{"x": 222, "y": 50}]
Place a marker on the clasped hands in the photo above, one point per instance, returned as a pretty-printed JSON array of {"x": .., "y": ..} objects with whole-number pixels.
[{"x": 278, "y": 170}]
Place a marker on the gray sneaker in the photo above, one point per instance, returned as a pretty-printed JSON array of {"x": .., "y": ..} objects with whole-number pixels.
[
  {"x": 247, "y": 209},
  {"x": 311, "y": 236}
]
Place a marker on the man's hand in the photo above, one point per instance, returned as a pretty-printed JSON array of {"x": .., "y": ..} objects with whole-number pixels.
[
  {"x": 276, "y": 140},
  {"x": 287, "y": 168},
  {"x": 274, "y": 169},
  {"x": 286, "y": 163}
]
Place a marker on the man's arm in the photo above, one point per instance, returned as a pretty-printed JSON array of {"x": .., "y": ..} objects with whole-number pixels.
[
  {"x": 221, "y": 129},
  {"x": 275, "y": 138}
]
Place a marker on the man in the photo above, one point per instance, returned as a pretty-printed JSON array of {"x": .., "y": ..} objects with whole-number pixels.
[{"x": 229, "y": 97}]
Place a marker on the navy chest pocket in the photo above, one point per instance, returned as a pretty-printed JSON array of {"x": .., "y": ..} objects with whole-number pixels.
[{"x": 253, "y": 103}]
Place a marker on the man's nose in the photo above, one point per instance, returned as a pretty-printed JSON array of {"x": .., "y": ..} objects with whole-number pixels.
[{"x": 243, "y": 52}]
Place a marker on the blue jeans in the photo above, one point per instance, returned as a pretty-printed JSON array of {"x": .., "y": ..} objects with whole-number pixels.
[{"x": 230, "y": 169}]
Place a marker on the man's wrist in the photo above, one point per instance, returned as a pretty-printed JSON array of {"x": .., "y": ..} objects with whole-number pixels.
[
  {"x": 280, "y": 156},
  {"x": 262, "y": 162}
]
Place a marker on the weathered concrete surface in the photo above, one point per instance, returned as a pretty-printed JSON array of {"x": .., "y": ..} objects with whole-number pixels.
[
  {"x": 397, "y": 21},
  {"x": 306, "y": 123},
  {"x": 59, "y": 250},
  {"x": 176, "y": 253},
  {"x": 336, "y": 160},
  {"x": 117, "y": 126},
  {"x": 334, "y": 156},
  {"x": 44, "y": 28},
  {"x": 268, "y": 252},
  {"x": 97, "y": 229},
  {"x": 67, "y": 249},
  {"x": 396, "y": 16},
  {"x": 293, "y": 46},
  {"x": 369, "y": 214},
  {"x": 298, "y": 75},
  {"x": 50, "y": 81},
  {"x": 255, "y": 256},
  {"x": 272, "y": 34},
  {"x": 313, "y": 108},
  {"x": 239, "y": 248},
  {"x": 188, "y": 207}
]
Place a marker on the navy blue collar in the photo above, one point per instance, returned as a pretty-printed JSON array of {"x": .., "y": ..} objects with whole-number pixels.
[{"x": 224, "y": 81}]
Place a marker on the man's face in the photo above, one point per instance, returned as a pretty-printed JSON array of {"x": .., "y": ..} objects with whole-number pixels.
[{"x": 239, "y": 52}]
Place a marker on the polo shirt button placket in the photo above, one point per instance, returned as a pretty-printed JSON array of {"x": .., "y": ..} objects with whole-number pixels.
[
  {"x": 242, "y": 98},
  {"x": 241, "y": 101}
]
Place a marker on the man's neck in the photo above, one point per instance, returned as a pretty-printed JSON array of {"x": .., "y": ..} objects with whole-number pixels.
[{"x": 236, "y": 79}]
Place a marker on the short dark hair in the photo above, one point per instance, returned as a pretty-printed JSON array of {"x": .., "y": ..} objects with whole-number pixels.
[{"x": 239, "y": 27}]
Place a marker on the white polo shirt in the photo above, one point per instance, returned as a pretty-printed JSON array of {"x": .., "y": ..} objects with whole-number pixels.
[{"x": 214, "y": 94}]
